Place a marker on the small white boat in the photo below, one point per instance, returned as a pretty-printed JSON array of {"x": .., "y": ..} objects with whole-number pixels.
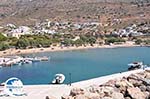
[
  {"x": 136, "y": 65},
  {"x": 44, "y": 58},
  {"x": 28, "y": 62},
  {"x": 58, "y": 79},
  {"x": 36, "y": 59},
  {"x": 9, "y": 63}
]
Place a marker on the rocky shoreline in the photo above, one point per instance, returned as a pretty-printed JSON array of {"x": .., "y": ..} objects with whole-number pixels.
[{"x": 135, "y": 86}]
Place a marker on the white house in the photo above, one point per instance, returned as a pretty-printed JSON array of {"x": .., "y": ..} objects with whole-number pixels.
[
  {"x": 21, "y": 30},
  {"x": 48, "y": 31},
  {"x": 11, "y": 25}
]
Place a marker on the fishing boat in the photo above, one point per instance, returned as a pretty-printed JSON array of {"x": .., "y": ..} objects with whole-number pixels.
[{"x": 58, "y": 79}]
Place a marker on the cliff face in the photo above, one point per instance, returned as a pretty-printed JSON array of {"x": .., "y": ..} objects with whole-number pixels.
[{"x": 24, "y": 11}]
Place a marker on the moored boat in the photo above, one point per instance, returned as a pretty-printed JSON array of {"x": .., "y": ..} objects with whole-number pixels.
[
  {"x": 18, "y": 63},
  {"x": 136, "y": 65},
  {"x": 36, "y": 59},
  {"x": 58, "y": 79},
  {"x": 44, "y": 58},
  {"x": 28, "y": 62},
  {"x": 17, "y": 60}
]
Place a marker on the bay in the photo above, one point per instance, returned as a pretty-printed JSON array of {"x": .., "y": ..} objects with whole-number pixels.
[{"x": 82, "y": 64}]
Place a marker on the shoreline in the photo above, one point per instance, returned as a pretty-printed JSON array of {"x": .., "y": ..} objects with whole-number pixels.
[
  {"x": 103, "y": 79},
  {"x": 56, "y": 91},
  {"x": 11, "y": 52}
]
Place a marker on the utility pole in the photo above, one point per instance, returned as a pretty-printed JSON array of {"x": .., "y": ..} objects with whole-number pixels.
[{"x": 70, "y": 79}]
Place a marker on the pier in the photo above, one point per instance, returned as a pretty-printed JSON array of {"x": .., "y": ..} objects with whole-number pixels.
[{"x": 9, "y": 61}]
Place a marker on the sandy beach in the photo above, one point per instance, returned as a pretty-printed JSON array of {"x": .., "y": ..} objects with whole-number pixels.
[{"x": 56, "y": 48}]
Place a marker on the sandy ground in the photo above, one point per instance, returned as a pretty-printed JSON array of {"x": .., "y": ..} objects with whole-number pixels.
[
  {"x": 52, "y": 49},
  {"x": 41, "y": 91}
]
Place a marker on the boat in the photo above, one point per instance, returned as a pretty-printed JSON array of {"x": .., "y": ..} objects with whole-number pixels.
[
  {"x": 36, "y": 59},
  {"x": 0, "y": 67},
  {"x": 17, "y": 60},
  {"x": 18, "y": 63},
  {"x": 44, "y": 58},
  {"x": 28, "y": 62},
  {"x": 58, "y": 79},
  {"x": 9, "y": 63},
  {"x": 136, "y": 65}
]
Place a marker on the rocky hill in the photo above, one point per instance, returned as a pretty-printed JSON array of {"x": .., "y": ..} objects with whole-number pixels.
[{"x": 28, "y": 11}]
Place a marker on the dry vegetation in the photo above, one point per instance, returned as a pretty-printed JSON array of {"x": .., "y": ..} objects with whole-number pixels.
[{"x": 26, "y": 12}]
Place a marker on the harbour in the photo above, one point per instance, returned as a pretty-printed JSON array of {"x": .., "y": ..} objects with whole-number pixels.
[
  {"x": 75, "y": 49},
  {"x": 78, "y": 63}
]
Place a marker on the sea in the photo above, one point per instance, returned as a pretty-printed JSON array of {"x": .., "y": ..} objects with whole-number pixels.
[{"x": 76, "y": 65}]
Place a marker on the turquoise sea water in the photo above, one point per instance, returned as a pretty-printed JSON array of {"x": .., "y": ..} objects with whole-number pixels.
[{"x": 82, "y": 64}]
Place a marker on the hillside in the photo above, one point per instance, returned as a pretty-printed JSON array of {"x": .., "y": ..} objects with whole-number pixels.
[{"x": 29, "y": 11}]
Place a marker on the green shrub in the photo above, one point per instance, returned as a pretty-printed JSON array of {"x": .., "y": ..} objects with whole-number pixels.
[
  {"x": 4, "y": 46},
  {"x": 113, "y": 40}
]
